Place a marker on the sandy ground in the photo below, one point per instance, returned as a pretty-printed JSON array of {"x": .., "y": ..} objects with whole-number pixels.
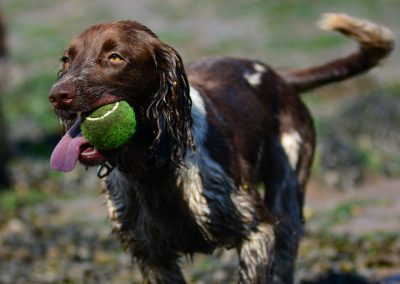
[{"x": 376, "y": 207}]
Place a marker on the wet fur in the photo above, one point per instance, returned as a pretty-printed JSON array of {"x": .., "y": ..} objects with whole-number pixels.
[{"x": 208, "y": 135}]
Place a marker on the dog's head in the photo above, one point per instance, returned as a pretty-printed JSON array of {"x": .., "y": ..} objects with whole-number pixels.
[{"x": 122, "y": 61}]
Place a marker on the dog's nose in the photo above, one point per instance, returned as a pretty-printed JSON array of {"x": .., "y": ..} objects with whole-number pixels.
[{"x": 62, "y": 95}]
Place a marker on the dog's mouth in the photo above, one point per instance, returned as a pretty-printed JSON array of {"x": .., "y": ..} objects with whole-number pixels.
[{"x": 74, "y": 147}]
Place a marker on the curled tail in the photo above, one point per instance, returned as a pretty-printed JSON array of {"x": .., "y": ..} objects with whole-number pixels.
[{"x": 375, "y": 43}]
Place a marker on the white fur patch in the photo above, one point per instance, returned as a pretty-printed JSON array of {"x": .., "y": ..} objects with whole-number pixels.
[
  {"x": 291, "y": 142},
  {"x": 255, "y": 252},
  {"x": 205, "y": 184},
  {"x": 199, "y": 113},
  {"x": 364, "y": 31},
  {"x": 254, "y": 79},
  {"x": 112, "y": 211},
  {"x": 259, "y": 68},
  {"x": 190, "y": 177}
]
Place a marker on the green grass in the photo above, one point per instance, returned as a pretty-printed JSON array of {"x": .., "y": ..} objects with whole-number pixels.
[
  {"x": 342, "y": 253},
  {"x": 12, "y": 200},
  {"x": 177, "y": 36},
  {"x": 289, "y": 29},
  {"x": 41, "y": 48},
  {"x": 15, "y": 6},
  {"x": 306, "y": 43},
  {"x": 348, "y": 210},
  {"x": 29, "y": 100}
]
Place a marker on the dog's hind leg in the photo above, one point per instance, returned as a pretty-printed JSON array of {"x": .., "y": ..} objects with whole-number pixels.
[
  {"x": 283, "y": 199},
  {"x": 286, "y": 248},
  {"x": 256, "y": 254}
]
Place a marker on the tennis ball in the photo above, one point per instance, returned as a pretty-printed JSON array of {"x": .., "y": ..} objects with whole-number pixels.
[{"x": 110, "y": 126}]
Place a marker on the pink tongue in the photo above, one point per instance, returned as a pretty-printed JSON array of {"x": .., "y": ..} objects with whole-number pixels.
[{"x": 66, "y": 154}]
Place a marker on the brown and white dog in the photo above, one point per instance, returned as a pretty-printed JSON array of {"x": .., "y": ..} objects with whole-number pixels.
[{"x": 208, "y": 135}]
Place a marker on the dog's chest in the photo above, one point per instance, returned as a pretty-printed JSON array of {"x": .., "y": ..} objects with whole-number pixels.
[
  {"x": 153, "y": 216},
  {"x": 177, "y": 228}
]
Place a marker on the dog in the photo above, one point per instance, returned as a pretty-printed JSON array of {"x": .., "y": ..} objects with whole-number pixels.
[{"x": 208, "y": 134}]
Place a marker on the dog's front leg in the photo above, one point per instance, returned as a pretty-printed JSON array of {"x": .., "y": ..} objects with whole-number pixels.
[
  {"x": 162, "y": 272},
  {"x": 158, "y": 266},
  {"x": 256, "y": 256}
]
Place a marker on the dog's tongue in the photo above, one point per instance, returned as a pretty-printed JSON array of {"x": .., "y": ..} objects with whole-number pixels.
[{"x": 66, "y": 154}]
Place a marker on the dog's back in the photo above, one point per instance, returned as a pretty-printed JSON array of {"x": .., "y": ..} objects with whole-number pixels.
[{"x": 260, "y": 111}]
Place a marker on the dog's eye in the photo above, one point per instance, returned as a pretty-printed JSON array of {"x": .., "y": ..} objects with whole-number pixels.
[
  {"x": 115, "y": 58},
  {"x": 65, "y": 60}
]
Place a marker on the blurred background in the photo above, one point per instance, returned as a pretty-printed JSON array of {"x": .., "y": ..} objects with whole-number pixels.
[{"x": 53, "y": 226}]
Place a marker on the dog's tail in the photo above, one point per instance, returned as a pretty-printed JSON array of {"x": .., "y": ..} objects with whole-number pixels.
[{"x": 375, "y": 43}]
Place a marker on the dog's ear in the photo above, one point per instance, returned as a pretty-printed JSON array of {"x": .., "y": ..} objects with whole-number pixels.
[{"x": 170, "y": 108}]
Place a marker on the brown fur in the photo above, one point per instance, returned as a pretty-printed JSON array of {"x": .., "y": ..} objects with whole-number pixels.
[{"x": 187, "y": 181}]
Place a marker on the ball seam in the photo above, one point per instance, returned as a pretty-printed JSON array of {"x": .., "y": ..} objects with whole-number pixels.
[{"x": 104, "y": 115}]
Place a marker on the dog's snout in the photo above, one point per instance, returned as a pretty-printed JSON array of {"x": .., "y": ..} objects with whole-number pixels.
[{"x": 61, "y": 96}]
